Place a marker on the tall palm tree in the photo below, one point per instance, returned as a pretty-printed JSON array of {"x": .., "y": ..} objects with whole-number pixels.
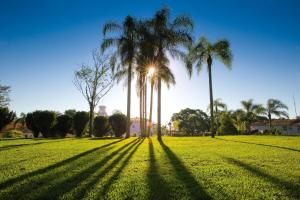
[
  {"x": 251, "y": 112},
  {"x": 170, "y": 36},
  {"x": 205, "y": 52},
  {"x": 277, "y": 108},
  {"x": 124, "y": 38}
]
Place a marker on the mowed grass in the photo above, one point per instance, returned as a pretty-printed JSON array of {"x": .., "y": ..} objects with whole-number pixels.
[{"x": 229, "y": 167}]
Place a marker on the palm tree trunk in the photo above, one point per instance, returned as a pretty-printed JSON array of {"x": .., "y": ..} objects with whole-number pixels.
[
  {"x": 151, "y": 104},
  {"x": 141, "y": 111},
  {"x": 128, "y": 101},
  {"x": 145, "y": 109},
  {"x": 270, "y": 120},
  {"x": 212, "y": 129},
  {"x": 91, "y": 121},
  {"x": 159, "y": 107}
]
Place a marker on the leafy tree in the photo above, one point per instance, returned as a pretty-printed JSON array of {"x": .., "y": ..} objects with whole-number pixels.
[
  {"x": 101, "y": 126},
  {"x": 6, "y": 117},
  {"x": 226, "y": 124},
  {"x": 124, "y": 38},
  {"x": 170, "y": 37},
  {"x": 80, "y": 120},
  {"x": 32, "y": 125},
  {"x": 4, "y": 95},
  {"x": 205, "y": 52},
  {"x": 63, "y": 125},
  {"x": 94, "y": 82},
  {"x": 70, "y": 112},
  {"x": 277, "y": 108},
  {"x": 41, "y": 122},
  {"x": 191, "y": 121},
  {"x": 118, "y": 123},
  {"x": 252, "y": 111}
]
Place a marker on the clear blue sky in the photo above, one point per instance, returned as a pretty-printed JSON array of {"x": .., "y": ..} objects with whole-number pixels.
[{"x": 43, "y": 42}]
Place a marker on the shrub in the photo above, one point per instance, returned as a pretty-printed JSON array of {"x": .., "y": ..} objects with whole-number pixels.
[
  {"x": 118, "y": 122},
  {"x": 63, "y": 125},
  {"x": 80, "y": 120},
  {"x": 6, "y": 117},
  {"x": 101, "y": 126},
  {"x": 41, "y": 122}
]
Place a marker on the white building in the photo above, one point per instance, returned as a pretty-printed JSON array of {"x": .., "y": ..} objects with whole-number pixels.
[
  {"x": 102, "y": 111},
  {"x": 287, "y": 126},
  {"x": 135, "y": 129}
]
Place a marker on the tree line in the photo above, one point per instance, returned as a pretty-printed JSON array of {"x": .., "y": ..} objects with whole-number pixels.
[{"x": 195, "y": 121}]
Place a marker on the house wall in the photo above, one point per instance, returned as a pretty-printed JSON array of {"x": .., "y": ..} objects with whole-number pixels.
[{"x": 286, "y": 130}]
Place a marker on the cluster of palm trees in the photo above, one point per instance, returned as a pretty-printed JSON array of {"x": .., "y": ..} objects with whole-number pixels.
[
  {"x": 250, "y": 112},
  {"x": 139, "y": 46}
]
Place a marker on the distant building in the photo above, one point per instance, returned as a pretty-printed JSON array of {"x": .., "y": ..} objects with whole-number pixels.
[
  {"x": 102, "y": 111},
  {"x": 287, "y": 126},
  {"x": 135, "y": 129}
]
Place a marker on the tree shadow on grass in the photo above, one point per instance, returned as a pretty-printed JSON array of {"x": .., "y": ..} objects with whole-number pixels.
[
  {"x": 39, "y": 172},
  {"x": 91, "y": 174},
  {"x": 195, "y": 189},
  {"x": 159, "y": 188},
  {"x": 292, "y": 188},
  {"x": 266, "y": 145},
  {"x": 13, "y": 146}
]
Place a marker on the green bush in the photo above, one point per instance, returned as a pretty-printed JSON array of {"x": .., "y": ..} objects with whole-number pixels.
[
  {"x": 41, "y": 122},
  {"x": 80, "y": 120},
  {"x": 101, "y": 126},
  {"x": 63, "y": 125},
  {"x": 6, "y": 117},
  {"x": 118, "y": 123}
]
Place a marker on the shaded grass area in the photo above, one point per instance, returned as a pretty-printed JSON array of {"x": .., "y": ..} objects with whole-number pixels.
[{"x": 229, "y": 167}]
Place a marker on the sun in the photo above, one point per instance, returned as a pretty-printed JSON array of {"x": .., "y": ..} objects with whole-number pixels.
[{"x": 151, "y": 70}]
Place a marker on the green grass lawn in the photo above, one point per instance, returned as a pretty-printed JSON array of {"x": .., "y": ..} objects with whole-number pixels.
[{"x": 229, "y": 167}]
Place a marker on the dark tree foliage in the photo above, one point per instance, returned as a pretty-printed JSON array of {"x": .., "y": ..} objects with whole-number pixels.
[
  {"x": 6, "y": 117},
  {"x": 31, "y": 124},
  {"x": 80, "y": 120},
  {"x": 70, "y": 112},
  {"x": 41, "y": 122},
  {"x": 63, "y": 125},
  {"x": 191, "y": 121},
  {"x": 101, "y": 126},
  {"x": 118, "y": 123}
]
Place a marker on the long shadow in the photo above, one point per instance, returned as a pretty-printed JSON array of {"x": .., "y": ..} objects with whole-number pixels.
[
  {"x": 266, "y": 145},
  {"x": 62, "y": 187},
  {"x": 195, "y": 189},
  {"x": 118, "y": 172},
  {"x": 51, "y": 167},
  {"x": 8, "y": 147},
  {"x": 156, "y": 183},
  {"x": 291, "y": 188}
]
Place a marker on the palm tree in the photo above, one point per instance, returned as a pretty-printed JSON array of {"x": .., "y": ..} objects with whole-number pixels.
[
  {"x": 218, "y": 106},
  {"x": 169, "y": 38},
  {"x": 277, "y": 108},
  {"x": 251, "y": 112},
  {"x": 204, "y": 52},
  {"x": 125, "y": 40}
]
